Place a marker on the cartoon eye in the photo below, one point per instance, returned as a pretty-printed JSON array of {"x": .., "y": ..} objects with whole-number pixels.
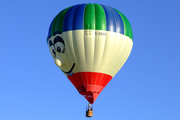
[
  {"x": 54, "y": 53},
  {"x": 59, "y": 44},
  {"x": 51, "y": 48}
]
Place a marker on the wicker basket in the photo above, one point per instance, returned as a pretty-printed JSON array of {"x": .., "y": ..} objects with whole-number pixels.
[{"x": 89, "y": 113}]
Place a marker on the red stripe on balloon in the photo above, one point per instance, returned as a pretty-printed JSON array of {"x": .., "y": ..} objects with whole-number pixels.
[{"x": 90, "y": 84}]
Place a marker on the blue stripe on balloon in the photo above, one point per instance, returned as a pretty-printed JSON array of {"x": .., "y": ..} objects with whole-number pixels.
[
  {"x": 78, "y": 22},
  {"x": 49, "y": 32},
  {"x": 68, "y": 19},
  {"x": 74, "y": 19},
  {"x": 110, "y": 20},
  {"x": 119, "y": 22}
]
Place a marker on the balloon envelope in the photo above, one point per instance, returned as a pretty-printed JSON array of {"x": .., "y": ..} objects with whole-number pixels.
[{"x": 90, "y": 43}]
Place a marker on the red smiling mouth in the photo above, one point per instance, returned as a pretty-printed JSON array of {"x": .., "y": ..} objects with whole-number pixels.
[{"x": 70, "y": 73}]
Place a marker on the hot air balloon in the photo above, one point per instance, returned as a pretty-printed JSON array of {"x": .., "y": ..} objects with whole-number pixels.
[{"x": 90, "y": 43}]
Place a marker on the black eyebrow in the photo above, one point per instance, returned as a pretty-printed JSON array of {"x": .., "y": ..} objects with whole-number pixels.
[
  {"x": 50, "y": 43},
  {"x": 49, "y": 36},
  {"x": 58, "y": 39}
]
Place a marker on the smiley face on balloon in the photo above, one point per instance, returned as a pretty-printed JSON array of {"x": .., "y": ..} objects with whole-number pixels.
[
  {"x": 90, "y": 43},
  {"x": 57, "y": 49}
]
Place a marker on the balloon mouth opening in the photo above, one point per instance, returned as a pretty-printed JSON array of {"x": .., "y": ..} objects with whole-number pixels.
[{"x": 90, "y": 96}]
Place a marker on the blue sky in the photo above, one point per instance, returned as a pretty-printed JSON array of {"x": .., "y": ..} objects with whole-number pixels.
[{"x": 146, "y": 88}]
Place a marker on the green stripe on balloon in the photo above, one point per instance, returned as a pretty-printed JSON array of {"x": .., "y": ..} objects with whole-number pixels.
[
  {"x": 54, "y": 24},
  {"x": 58, "y": 22},
  {"x": 100, "y": 17},
  {"x": 127, "y": 26},
  {"x": 89, "y": 17},
  {"x": 59, "y": 25},
  {"x": 94, "y": 17}
]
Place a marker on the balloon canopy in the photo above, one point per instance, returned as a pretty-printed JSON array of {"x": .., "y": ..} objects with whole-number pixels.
[{"x": 90, "y": 43}]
